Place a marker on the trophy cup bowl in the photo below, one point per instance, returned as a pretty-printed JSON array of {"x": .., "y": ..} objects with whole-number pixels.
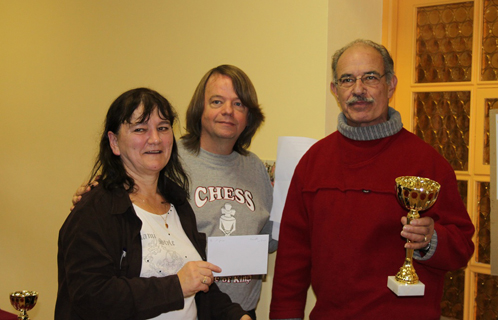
[
  {"x": 23, "y": 301},
  {"x": 415, "y": 194}
]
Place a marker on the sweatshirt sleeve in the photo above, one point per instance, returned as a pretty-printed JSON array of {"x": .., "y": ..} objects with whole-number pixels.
[{"x": 453, "y": 226}]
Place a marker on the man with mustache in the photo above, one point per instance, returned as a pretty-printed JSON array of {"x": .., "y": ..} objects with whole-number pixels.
[{"x": 342, "y": 229}]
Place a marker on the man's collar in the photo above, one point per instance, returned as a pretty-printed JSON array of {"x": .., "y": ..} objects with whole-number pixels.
[{"x": 374, "y": 132}]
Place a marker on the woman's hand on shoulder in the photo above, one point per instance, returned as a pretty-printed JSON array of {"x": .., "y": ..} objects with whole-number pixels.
[
  {"x": 84, "y": 188},
  {"x": 196, "y": 276}
]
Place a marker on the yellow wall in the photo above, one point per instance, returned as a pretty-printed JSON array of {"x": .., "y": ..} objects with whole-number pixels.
[
  {"x": 63, "y": 62},
  {"x": 347, "y": 21}
]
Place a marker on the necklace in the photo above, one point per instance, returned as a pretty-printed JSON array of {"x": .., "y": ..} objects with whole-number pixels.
[
  {"x": 145, "y": 202},
  {"x": 165, "y": 217}
]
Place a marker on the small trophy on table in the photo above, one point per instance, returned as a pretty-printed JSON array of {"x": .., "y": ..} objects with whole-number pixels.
[
  {"x": 415, "y": 194},
  {"x": 23, "y": 301}
]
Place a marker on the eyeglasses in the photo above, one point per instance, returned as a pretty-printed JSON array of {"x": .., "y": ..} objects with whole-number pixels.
[{"x": 368, "y": 79}]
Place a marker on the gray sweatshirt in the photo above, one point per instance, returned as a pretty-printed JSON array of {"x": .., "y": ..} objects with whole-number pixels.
[{"x": 231, "y": 195}]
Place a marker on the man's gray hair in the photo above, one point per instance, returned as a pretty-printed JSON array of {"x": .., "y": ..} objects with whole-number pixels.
[{"x": 386, "y": 57}]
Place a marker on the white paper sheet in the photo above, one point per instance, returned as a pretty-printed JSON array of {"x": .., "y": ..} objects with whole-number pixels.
[
  {"x": 239, "y": 255},
  {"x": 289, "y": 152}
]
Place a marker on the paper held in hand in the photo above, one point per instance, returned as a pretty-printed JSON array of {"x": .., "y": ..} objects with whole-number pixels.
[{"x": 239, "y": 255}]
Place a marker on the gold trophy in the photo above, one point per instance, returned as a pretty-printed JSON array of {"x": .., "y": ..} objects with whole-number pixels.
[
  {"x": 415, "y": 194},
  {"x": 23, "y": 301}
]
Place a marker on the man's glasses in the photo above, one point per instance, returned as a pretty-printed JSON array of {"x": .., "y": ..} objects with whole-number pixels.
[{"x": 368, "y": 79}]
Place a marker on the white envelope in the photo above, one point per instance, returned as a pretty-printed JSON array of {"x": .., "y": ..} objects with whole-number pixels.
[{"x": 239, "y": 255}]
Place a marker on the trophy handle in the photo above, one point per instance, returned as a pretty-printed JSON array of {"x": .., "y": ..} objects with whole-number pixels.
[
  {"x": 412, "y": 215},
  {"x": 23, "y": 315},
  {"x": 407, "y": 273}
]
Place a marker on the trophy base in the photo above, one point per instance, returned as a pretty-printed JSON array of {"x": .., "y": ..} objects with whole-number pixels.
[{"x": 403, "y": 289}]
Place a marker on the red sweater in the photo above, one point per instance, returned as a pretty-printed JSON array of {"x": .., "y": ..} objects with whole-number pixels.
[{"x": 341, "y": 225}]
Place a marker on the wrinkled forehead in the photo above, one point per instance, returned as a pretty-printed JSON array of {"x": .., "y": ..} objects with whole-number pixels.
[{"x": 358, "y": 60}]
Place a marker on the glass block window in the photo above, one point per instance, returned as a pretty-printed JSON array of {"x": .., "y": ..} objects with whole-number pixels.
[
  {"x": 454, "y": 284},
  {"x": 452, "y": 301},
  {"x": 462, "y": 189},
  {"x": 489, "y": 104},
  {"x": 489, "y": 71},
  {"x": 442, "y": 120},
  {"x": 486, "y": 297},
  {"x": 483, "y": 224},
  {"x": 444, "y": 43}
]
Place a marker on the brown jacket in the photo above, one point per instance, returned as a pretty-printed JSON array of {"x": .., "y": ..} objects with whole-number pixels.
[{"x": 99, "y": 263}]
